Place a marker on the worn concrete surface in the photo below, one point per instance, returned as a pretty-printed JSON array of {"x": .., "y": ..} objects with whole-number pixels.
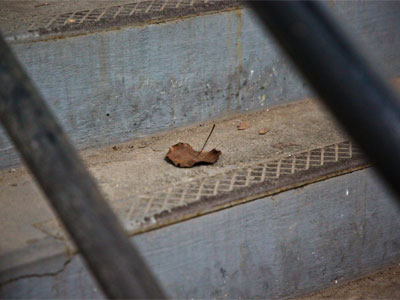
[
  {"x": 287, "y": 244},
  {"x": 137, "y": 166},
  {"x": 47, "y": 270},
  {"x": 116, "y": 170},
  {"x": 116, "y": 85},
  {"x": 159, "y": 77}
]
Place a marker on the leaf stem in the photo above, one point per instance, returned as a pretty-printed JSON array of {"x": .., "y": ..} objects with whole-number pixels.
[{"x": 212, "y": 129}]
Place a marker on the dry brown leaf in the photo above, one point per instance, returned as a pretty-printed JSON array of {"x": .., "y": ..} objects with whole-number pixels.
[
  {"x": 263, "y": 131},
  {"x": 184, "y": 156},
  {"x": 244, "y": 125},
  {"x": 282, "y": 146}
]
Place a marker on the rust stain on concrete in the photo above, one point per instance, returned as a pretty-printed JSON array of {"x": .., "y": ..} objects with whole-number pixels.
[
  {"x": 239, "y": 26},
  {"x": 229, "y": 41}
]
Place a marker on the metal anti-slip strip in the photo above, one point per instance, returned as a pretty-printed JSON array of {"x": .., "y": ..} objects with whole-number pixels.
[
  {"x": 185, "y": 200},
  {"x": 139, "y": 11}
]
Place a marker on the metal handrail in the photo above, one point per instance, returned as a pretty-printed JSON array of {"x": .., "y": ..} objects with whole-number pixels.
[
  {"x": 345, "y": 81},
  {"x": 71, "y": 191}
]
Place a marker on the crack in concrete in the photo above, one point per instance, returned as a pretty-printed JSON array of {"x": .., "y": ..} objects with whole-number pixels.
[{"x": 48, "y": 274}]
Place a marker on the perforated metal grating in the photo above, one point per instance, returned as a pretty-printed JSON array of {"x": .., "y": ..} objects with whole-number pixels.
[{"x": 142, "y": 212}]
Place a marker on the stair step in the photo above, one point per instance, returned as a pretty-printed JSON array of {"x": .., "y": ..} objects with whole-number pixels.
[
  {"x": 111, "y": 85},
  {"x": 43, "y": 19},
  {"x": 291, "y": 199},
  {"x": 279, "y": 215}
]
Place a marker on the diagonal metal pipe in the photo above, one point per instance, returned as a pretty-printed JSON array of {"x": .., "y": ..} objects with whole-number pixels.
[
  {"x": 71, "y": 191},
  {"x": 345, "y": 81}
]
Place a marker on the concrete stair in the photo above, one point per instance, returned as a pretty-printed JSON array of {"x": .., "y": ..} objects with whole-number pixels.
[{"x": 279, "y": 215}]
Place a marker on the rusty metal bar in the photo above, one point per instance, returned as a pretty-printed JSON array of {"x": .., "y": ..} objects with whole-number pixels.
[
  {"x": 111, "y": 257},
  {"x": 355, "y": 93}
]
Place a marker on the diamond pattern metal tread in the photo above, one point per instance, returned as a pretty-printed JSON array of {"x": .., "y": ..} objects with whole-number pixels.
[
  {"x": 197, "y": 197},
  {"x": 132, "y": 13}
]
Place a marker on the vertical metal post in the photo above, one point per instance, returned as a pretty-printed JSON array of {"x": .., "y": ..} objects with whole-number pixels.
[
  {"x": 360, "y": 99},
  {"x": 112, "y": 259}
]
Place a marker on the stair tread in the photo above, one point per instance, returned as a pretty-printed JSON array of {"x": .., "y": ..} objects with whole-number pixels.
[
  {"x": 148, "y": 192},
  {"x": 21, "y": 20}
]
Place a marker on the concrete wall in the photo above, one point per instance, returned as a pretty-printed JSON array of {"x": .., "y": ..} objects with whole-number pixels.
[
  {"x": 116, "y": 85},
  {"x": 284, "y": 245}
]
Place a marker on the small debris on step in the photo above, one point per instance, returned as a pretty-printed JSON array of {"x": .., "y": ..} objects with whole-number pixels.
[
  {"x": 42, "y": 4},
  {"x": 282, "y": 146},
  {"x": 115, "y": 148},
  {"x": 263, "y": 131},
  {"x": 184, "y": 156},
  {"x": 244, "y": 125}
]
